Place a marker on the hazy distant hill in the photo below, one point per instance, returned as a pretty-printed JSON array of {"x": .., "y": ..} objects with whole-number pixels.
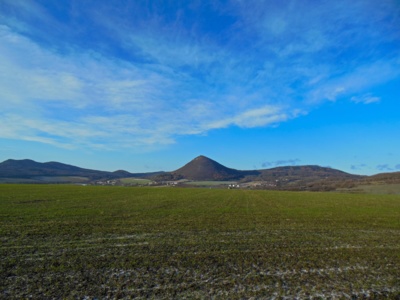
[
  {"x": 309, "y": 177},
  {"x": 385, "y": 177},
  {"x": 204, "y": 168},
  {"x": 27, "y": 168},
  {"x": 199, "y": 169},
  {"x": 310, "y": 171}
]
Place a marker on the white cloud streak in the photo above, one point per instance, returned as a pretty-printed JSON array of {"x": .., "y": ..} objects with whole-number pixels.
[
  {"x": 109, "y": 99},
  {"x": 365, "y": 99},
  {"x": 271, "y": 64},
  {"x": 283, "y": 162}
]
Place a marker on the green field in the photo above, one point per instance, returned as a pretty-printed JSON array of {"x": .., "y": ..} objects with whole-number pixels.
[
  {"x": 75, "y": 242},
  {"x": 47, "y": 179}
]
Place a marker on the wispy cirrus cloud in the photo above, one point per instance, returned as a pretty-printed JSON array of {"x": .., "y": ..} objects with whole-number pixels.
[
  {"x": 365, "y": 99},
  {"x": 387, "y": 167},
  {"x": 356, "y": 81},
  {"x": 141, "y": 74},
  {"x": 282, "y": 162},
  {"x": 111, "y": 98},
  {"x": 358, "y": 167}
]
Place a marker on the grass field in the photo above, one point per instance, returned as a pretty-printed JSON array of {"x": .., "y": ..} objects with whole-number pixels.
[
  {"x": 46, "y": 179},
  {"x": 60, "y": 241}
]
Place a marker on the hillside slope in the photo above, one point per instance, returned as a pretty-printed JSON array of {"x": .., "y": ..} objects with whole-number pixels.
[
  {"x": 27, "y": 168},
  {"x": 308, "y": 171},
  {"x": 204, "y": 168}
]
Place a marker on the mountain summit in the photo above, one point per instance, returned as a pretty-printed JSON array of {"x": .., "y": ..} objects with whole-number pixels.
[{"x": 204, "y": 168}]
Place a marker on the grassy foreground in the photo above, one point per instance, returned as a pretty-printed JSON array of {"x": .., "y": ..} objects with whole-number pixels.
[{"x": 61, "y": 241}]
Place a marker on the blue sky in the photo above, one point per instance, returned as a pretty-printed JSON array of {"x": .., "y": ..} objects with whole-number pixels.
[{"x": 149, "y": 85}]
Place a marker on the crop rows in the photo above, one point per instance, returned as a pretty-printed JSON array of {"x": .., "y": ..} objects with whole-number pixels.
[{"x": 96, "y": 243}]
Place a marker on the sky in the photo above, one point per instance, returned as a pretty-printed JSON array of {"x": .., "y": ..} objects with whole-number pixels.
[{"x": 149, "y": 85}]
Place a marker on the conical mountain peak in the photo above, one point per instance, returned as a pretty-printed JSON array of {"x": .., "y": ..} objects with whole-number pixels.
[
  {"x": 204, "y": 168},
  {"x": 201, "y": 157}
]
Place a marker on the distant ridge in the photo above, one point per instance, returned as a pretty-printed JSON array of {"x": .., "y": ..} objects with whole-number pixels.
[
  {"x": 201, "y": 168},
  {"x": 305, "y": 171},
  {"x": 393, "y": 177},
  {"x": 27, "y": 168}
]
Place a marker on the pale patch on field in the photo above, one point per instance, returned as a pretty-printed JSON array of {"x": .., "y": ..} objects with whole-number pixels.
[
  {"x": 379, "y": 189},
  {"x": 135, "y": 181}
]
